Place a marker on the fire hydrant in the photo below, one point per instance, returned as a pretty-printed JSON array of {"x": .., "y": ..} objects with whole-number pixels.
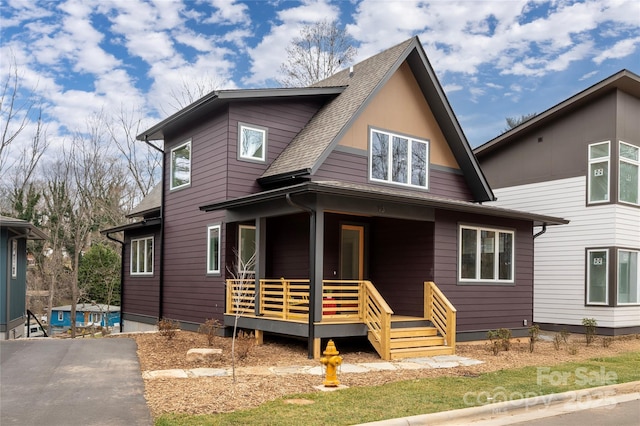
[{"x": 331, "y": 360}]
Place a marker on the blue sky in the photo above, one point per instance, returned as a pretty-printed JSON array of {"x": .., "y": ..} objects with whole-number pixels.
[{"x": 494, "y": 58}]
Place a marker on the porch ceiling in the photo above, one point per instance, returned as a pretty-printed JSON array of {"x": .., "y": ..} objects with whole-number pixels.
[{"x": 378, "y": 193}]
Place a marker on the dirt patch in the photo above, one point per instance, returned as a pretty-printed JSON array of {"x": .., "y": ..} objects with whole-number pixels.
[{"x": 220, "y": 394}]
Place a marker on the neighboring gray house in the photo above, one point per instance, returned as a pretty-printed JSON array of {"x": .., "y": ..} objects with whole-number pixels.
[{"x": 580, "y": 160}]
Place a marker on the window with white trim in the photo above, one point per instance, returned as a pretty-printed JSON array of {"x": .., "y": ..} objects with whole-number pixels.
[
  {"x": 597, "y": 277},
  {"x": 252, "y": 142},
  {"x": 180, "y": 165},
  {"x": 142, "y": 256},
  {"x": 628, "y": 176},
  {"x": 246, "y": 249},
  {"x": 398, "y": 159},
  {"x": 598, "y": 180},
  {"x": 213, "y": 249},
  {"x": 628, "y": 277},
  {"x": 14, "y": 258},
  {"x": 60, "y": 316},
  {"x": 486, "y": 255}
]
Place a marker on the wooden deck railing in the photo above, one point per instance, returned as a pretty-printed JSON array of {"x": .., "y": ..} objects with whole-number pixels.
[
  {"x": 241, "y": 296},
  {"x": 440, "y": 312},
  {"x": 377, "y": 316}
]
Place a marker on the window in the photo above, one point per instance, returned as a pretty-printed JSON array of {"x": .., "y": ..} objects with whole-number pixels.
[
  {"x": 142, "y": 256},
  {"x": 597, "y": 277},
  {"x": 213, "y": 249},
  {"x": 60, "y": 316},
  {"x": 486, "y": 255},
  {"x": 628, "y": 277},
  {"x": 247, "y": 249},
  {"x": 629, "y": 178},
  {"x": 14, "y": 259},
  {"x": 252, "y": 142},
  {"x": 181, "y": 165},
  {"x": 96, "y": 318},
  {"x": 398, "y": 159},
  {"x": 598, "y": 180}
]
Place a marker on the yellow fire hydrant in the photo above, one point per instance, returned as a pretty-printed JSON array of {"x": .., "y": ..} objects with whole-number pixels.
[{"x": 331, "y": 360}]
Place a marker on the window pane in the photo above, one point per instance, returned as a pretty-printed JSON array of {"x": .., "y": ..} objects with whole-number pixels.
[
  {"x": 505, "y": 266},
  {"x": 247, "y": 248},
  {"x": 181, "y": 166},
  {"x": 134, "y": 257},
  {"x": 149, "y": 262},
  {"x": 628, "y": 182},
  {"x": 628, "y": 277},
  {"x": 469, "y": 248},
  {"x": 400, "y": 159},
  {"x": 598, "y": 151},
  {"x": 214, "y": 249},
  {"x": 379, "y": 156},
  {"x": 629, "y": 152},
  {"x": 488, "y": 256},
  {"x": 597, "y": 277},
  {"x": 599, "y": 190},
  {"x": 252, "y": 145},
  {"x": 418, "y": 163}
]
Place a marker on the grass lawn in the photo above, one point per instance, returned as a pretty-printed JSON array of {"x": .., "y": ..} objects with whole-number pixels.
[{"x": 423, "y": 396}]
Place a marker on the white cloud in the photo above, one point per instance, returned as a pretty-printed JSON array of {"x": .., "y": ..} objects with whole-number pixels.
[
  {"x": 619, "y": 50},
  {"x": 229, "y": 13},
  {"x": 450, "y": 88},
  {"x": 588, "y": 75}
]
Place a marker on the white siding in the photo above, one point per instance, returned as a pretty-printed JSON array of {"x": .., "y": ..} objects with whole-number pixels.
[{"x": 559, "y": 290}]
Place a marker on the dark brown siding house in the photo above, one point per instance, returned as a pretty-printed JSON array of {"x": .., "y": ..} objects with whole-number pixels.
[
  {"x": 580, "y": 159},
  {"x": 352, "y": 207}
]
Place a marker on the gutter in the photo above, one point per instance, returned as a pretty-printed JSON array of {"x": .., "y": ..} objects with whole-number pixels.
[
  {"x": 544, "y": 229},
  {"x": 312, "y": 270},
  {"x": 122, "y": 244}
]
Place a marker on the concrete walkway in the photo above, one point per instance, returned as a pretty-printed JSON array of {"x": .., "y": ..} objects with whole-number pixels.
[{"x": 442, "y": 361}]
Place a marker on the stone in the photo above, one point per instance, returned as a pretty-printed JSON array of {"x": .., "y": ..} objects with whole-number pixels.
[{"x": 203, "y": 354}]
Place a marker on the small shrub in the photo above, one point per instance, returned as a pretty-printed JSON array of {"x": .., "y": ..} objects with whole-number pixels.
[
  {"x": 492, "y": 335},
  {"x": 243, "y": 345},
  {"x": 168, "y": 328},
  {"x": 210, "y": 329},
  {"x": 606, "y": 341},
  {"x": 590, "y": 325},
  {"x": 557, "y": 341},
  {"x": 564, "y": 334},
  {"x": 534, "y": 335},
  {"x": 572, "y": 349},
  {"x": 504, "y": 334}
]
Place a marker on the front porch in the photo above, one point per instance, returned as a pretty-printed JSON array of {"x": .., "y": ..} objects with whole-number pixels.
[{"x": 345, "y": 308}]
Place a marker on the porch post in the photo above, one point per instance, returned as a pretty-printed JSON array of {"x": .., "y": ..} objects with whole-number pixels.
[
  {"x": 316, "y": 261},
  {"x": 260, "y": 263}
]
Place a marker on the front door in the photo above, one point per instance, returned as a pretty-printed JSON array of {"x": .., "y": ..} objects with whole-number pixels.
[{"x": 352, "y": 252}]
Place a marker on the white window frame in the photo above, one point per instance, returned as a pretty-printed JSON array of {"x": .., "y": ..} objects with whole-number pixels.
[
  {"x": 410, "y": 141},
  {"x": 637, "y": 302},
  {"x": 496, "y": 266},
  {"x": 14, "y": 258},
  {"x": 60, "y": 316},
  {"x": 171, "y": 165},
  {"x": 599, "y": 160},
  {"x": 633, "y": 163},
  {"x": 254, "y": 128},
  {"x": 588, "y": 276},
  {"x": 248, "y": 272},
  {"x": 147, "y": 269},
  {"x": 210, "y": 269}
]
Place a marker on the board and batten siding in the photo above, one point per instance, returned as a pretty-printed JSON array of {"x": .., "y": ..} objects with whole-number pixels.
[{"x": 559, "y": 296}]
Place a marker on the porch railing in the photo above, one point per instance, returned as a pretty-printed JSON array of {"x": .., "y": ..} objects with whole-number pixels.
[
  {"x": 440, "y": 312},
  {"x": 377, "y": 316}
]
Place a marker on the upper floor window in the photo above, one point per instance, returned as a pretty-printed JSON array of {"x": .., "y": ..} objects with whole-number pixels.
[
  {"x": 213, "y": 249},
  {"x": 398, "y": 159},
  {"x": 486, "y": 254},
  {"x": 60, "y": 316},
  {"x": 142, "y": 256},
  {"x": 629, "y": 178},
  {"x": 597, "y": 277},
  {"x": 598, "y": 180},
  {"x": 14, "y": 258},
  {"x": 246, "y": 250},
  {"x": 628, "y": 277},
  {"x": 252, "y": 142},
  {"x": 181, "y": 165}
]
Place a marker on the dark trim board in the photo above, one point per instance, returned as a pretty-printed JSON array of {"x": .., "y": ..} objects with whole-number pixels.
[
  {"x": 297, "y": 329},
  {"x": 144, "y": 319},
  {"x": 601, "y": 331},
  {"x": 470, "y": 336}
]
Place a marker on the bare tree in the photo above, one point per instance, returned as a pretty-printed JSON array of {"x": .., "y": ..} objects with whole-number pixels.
[
  {"x": 516, "y": 121},
  {"x": 319, "y": 51},
  {"x": 190, "y": 90}
]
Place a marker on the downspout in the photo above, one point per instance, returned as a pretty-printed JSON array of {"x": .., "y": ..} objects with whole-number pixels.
[
  {"x": 122, "y": 244},
  {"x": 161, "y": 277},
  {"x": 544, "y": 229},
  {"x": 312, "y": 269}
]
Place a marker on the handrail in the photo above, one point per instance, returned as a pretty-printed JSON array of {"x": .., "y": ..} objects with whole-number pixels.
[
  {"x": 377, "y": 316},
  {"x": 442, "y": 314},
  {"x": 31, "y": 314}
]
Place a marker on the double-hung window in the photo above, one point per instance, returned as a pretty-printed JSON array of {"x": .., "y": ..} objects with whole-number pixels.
[
  {"x": 181, "y": 165},
  {"x": 252, "y": 142},
  {"x": 142, "y": 256},
  {"x": 598, "y": 180},
  {"x": 398, "y": 159},
  {"x": 597, "y": 277},
  {"x": 629, "y": 178},
  {"x": 628, "y": 277},
  {"x": 486, "y": 255},
  {"x": 213, "y": 249},
  {"x": 246, "y": 250}
]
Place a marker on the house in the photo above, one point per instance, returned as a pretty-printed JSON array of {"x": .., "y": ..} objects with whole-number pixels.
[
  {"x": 14, "y": 234},
  {"x": 579, "y": 159},
  {"x": 353, "y": 207},
  {"x": 87, "y": 315}
]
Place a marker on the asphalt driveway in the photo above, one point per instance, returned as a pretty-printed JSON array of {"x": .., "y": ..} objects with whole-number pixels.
[{"x": 71, "y": 382}]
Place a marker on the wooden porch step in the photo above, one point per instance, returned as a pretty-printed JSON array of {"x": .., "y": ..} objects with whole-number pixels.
[
  {"x": 413, "y": 332},
  {"x": 416, "y": 342},
  {"x": 420, "y": 352}
]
